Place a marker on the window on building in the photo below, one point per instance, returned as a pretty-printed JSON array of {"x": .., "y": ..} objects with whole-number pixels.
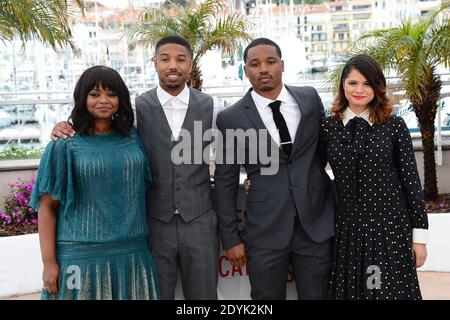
[
  {"x": 361, "y": 7},
  {"x": 341, "y": 26},
  {"x": 361, "y": 16}
]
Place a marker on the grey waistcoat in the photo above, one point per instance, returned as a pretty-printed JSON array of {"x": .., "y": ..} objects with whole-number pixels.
[{"x": 185, "y": 187}]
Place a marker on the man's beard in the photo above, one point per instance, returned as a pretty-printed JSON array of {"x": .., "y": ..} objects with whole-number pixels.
[
  {"x": 267, "y": 87},
  {"x": 173, "y": 85}
]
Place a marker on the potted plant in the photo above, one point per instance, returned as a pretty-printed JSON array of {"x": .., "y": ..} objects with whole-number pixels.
[
  {"x": 17, "y": 217},
  {"x": 19, "y": 243}
]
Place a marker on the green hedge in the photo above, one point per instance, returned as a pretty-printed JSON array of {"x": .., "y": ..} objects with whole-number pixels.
[{"x": 17, "y": 151}]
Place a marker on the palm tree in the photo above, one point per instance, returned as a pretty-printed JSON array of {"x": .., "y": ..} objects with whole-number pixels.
[
  {"x": 48, "y": 21},
  {"x": 414, "y": 51},
  {"x": 201, "y": 25}
]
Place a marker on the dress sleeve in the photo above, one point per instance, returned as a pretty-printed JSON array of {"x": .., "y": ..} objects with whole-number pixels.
[
  {"x": 147, "y": 169},
  {"x": 54, "y": 175},
  {"x": 323, "y": 132},
  {"x": 322, "y": 145},
  {"x": 405, "y": 163}
]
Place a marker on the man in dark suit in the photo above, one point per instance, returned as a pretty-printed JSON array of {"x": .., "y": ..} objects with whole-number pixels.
[{"x": 290, "y": 214}]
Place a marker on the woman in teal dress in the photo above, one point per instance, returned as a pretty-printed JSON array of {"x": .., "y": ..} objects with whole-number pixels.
[{"x": 90, "y": 193}]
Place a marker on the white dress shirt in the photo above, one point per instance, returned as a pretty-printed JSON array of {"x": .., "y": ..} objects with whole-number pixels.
[
  {"x": 288, "y": 108},
  {"x": 419, "y": 235},
  {"x": 349, "y": 114},
  {"x": 175, "y": 108}
]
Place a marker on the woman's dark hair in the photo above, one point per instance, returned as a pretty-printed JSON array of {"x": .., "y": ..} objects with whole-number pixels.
[
  {"x": 95, "y": 78},
  {"x": 380, "y": 107}
]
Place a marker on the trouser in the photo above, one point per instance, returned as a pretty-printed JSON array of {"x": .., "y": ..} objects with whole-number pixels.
[
  {"x": 193, "y": 248},
  {"x": 310, "y": 261}
]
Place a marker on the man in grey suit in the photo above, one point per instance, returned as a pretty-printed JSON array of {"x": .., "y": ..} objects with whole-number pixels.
[
  {"x": 183, "y": 227},
  {"x": 290, "y": 214}
]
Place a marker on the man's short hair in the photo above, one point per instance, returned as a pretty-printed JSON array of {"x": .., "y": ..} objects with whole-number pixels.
[
  {"x": 177, "y": 40},
  {"x": 261, "y": 41}
]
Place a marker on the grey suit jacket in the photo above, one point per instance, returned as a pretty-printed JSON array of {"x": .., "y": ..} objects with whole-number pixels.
[
  {"x": 185, "y": 187},
  {"x": 301, "y": 181}
]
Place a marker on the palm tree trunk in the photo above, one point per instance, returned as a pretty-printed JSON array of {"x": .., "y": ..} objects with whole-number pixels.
[
  {"x": 195, "y": 80},
  {"x": 426, "y": 114},
  {"x": 429, "y": 162}
]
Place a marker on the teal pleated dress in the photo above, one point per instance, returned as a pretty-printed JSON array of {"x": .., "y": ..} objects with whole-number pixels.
[{"x": 101, "y": 234}]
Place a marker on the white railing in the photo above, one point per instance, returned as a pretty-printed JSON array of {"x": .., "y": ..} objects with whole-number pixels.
[{"x": 30, "y": 126}]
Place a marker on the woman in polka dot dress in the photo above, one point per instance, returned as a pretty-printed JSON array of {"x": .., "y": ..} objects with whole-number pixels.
[{"x": 381, "y": 224}]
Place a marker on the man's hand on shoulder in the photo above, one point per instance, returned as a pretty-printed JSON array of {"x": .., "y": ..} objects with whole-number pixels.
[{"x": 62, "y": 130}]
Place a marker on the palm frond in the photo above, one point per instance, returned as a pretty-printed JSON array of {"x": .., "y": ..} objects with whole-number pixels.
[
  {"x": 206, "y": 9},
  {"x": 438, "y": 39},
  {"x": 411, "y": 49},
  {"x": 333, "y": 76},
  {"x": 201, "y": 25},
  {"x": 413, "y": 73},
  {"x": 47, "y": 21},
  {"x": 152, "y": 25},
  {"x": 227, "y": 33}
]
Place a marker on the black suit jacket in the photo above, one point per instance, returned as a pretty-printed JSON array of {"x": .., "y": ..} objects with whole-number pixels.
[{"x": 301, "y": 182}]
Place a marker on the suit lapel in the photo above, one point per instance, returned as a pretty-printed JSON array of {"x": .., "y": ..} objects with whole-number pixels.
[
  {"x": 190, "y": 117},
  {"x": 157, "y": 108},
  {"x": 303, "y": 116},
  {"x": 251, "y": 112}
]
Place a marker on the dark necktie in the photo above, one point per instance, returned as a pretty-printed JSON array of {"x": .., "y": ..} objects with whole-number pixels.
[{"x": 285, "y": 137}]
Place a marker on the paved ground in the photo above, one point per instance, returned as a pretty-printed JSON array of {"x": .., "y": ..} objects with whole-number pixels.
[{"x": 434, "y": 286}]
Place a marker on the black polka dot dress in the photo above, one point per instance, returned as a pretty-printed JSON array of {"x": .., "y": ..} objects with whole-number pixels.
[{"x": 380, "y": 201}]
